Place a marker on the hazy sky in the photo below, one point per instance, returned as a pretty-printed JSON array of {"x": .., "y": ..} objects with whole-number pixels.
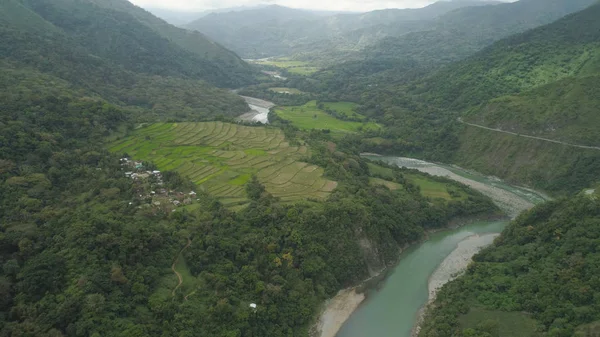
[{"x": 342, "y": 5}]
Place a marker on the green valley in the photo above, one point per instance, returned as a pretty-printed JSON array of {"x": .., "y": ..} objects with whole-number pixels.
[{"x": 273, "y": 171}]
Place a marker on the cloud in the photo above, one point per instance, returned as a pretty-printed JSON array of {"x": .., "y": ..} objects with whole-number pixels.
[{"x": 340, "y": 5}]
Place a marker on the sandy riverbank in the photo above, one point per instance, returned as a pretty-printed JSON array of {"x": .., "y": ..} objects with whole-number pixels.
[
  {"x": 452, "y": 267},
  {"x": 458, "y": 261},
  {"x": 509, "y": 202},
  {"x": 337, "y": 311}
]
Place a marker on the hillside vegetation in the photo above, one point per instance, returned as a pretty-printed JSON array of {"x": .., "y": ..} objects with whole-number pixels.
[
  {"x": 566, "y": 48},
  {"x": 127, "y": 64},
  {"x": 540, "y": 278},
  {"x": 539, "y": 83},
  {"x": 465, "y": 31}
]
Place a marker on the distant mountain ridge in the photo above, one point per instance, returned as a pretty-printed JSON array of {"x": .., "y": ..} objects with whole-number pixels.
[
  {"x": 464, "y": 31},
  {"x": 276, "y": 30},
  {"x": 181, "y": 18}
]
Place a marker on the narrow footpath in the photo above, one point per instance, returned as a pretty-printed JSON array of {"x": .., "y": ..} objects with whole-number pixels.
[
  {"x": 179, "y": 277},
  {"x": 532, "y": 137}
]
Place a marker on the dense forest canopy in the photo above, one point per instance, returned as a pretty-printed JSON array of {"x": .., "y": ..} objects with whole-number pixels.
[{"x": 544, "y": 266}]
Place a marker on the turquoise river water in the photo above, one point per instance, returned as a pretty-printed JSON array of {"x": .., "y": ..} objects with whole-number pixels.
[{"x": 393, "y": 308}]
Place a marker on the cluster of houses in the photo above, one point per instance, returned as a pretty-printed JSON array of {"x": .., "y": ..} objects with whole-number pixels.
[{"x": 150, "y": 187}]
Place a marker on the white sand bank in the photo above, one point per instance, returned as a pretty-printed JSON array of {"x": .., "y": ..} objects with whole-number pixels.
[{"x": 337, "y": 311}]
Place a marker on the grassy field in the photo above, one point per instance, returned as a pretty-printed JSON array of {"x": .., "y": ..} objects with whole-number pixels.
[
  {"x": 429, "y": 187},
  {"x": 309, "y": 116},
  {"x": 220, "y": 158},
  {"x": 506, "y": 324},
  {"x": 190, "y": 283},
  {"x": 291, "y": 91},
  {"x": 294, "y": 67},
  {"x": 345, "y": 108},
  {"x": 389, "y": 184}
]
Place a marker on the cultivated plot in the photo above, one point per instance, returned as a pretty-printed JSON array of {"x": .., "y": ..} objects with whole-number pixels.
[
  {"x": 310, "y": 116},
  {"x": 292, "y": 66},
  {"x": 221, "y": 158}
]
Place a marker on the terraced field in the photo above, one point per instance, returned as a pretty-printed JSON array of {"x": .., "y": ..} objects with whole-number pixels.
[{"x": 222, "y": 157}]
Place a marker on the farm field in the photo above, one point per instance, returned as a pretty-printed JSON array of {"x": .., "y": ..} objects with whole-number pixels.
[
  {"x": 294, "y": 67},
  {"x": 389, "y": 184},
  {"x": 309, "y": 116},
  {"x": 291, "y": 91},
  {"x": 429, "y": 187},
  {"x": 221, "y": 158},
  {"x": 344, "y": 108}
]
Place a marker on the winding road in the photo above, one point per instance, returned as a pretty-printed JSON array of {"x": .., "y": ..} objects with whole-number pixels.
[{"x": 532, "y": 137}]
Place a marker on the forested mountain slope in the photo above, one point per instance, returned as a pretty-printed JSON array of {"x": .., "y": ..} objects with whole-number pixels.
[
  {"x": 280, "y": 31},
  {"x": 540, "y": 278},
  {"x": 137, "y": 40},
  {"x": 565, "y": 48},
  {"x": 109, "y": 54},
  {"x": 540, "y": 83},
  {"x": 462, "y": 32}
]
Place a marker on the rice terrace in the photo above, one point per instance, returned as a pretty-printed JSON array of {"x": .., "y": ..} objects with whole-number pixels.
[{"x": 221, "y": 158}]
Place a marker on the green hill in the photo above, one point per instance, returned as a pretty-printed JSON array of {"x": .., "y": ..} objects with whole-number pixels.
[
  {"x": 133, "y": 38},
  {"x": 465, "y": 31},
  {"x": 540, "y": 278},
  {"x": 566, "y": 110},
  {"x": 541, "y": 83},
  {"x": 109, "y": 54},
  {"x": 566, "y": 48}
]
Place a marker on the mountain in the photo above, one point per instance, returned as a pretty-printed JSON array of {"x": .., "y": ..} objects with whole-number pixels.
[
  {"x": 541, "y": 83},
  {"x": 181, "y": 18},
  {"x": 124, "y": 60},
  {"x": 174, "y": 17},
  {"x": 465, "y": 31},
  {"x": 209, "y": 60},
  {"x": 277, "y": 31},
  {"x": 547, "y": 74}
]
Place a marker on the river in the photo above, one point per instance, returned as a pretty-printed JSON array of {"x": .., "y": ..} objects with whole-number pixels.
[
  {"x": 259, "y": 110},
  {"x": 394, "y": 307}
]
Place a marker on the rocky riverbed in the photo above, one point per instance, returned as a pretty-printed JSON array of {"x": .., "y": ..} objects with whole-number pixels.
[{"x": 259, "y": 110}]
